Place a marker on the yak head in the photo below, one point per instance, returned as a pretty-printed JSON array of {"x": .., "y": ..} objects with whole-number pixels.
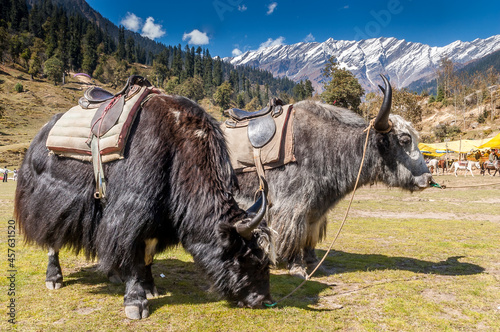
[
  {"x": 247, "y": 252},
  {"x": 397, "y": 142}
]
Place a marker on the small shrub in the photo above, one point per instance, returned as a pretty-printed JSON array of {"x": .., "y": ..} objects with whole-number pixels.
[
  {"x": 442, "y": 131},
  {"x": 18, "y": 87},
  {"x": 454, "y": 130}
]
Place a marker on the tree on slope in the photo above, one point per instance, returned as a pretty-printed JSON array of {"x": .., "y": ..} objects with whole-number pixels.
[{"x": 343, "y": 89}]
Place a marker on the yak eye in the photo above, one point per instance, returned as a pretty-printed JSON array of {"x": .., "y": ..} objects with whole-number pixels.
[{"x": 405, "y": 140}]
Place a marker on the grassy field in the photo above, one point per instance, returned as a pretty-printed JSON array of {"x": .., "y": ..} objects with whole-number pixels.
[
  {"x": 403, "y": 262},
  {"x": 427, "y": 261}
]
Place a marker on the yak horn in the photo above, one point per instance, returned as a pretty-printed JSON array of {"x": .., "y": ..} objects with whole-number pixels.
[
  {"x": 382, "y": 121},
  {"x": 245, "y": 229}
]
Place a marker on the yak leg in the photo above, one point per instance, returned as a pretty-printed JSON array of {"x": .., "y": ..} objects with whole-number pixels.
[
  {"x": 296, "y": 266},
  {"x": 53, "y": 276},
  {"x": 135, "y": 301},
  {"x": 315, "y": 233},
  {"x": 140, "y": 283},
  {"x": 316, "y": 228},
  {"x": 149, "y": 283}
]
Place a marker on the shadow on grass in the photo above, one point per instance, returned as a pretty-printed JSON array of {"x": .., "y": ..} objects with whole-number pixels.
[
  {"x": 341, "y": 262},
  {"x": 184, "y": 283}
]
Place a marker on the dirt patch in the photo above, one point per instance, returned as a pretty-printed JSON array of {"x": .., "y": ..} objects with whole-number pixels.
[{"x": 427, "y": 215}]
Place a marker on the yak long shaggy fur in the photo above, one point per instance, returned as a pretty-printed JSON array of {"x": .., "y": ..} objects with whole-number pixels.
[
  {"x": 175, "y": 185},
  {"x": 328, "y": 143}
]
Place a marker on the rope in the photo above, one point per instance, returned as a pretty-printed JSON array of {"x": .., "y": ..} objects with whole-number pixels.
[
  {"x": 465, "y": 186},
  {"x": 341, "y": 225}
]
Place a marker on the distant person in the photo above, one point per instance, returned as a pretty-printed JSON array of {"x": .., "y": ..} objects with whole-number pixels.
[
  {"x": 5, "y": 174},
  {"x": 15, "y": 174},
  {"x": 492, "y": 157},
  {"x": 495, "y": 154},
  {"x": 478, "y": 155}
]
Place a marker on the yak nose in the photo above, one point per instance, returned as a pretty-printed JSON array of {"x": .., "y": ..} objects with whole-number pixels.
[
  {"x": 424, "y": 181},
  {"x": 428, "y": 180},
  {"x": 259, "y": 301}
]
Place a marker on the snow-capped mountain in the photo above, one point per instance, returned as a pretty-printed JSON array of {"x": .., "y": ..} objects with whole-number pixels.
[{"x": 404, "y": 62}]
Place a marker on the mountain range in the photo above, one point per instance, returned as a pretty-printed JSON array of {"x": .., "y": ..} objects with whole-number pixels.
[{"x": 402, "y": 61}]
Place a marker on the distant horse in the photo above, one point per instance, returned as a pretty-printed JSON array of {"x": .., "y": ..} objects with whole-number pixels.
[
  {"x": 443, "y": 164},
  {"x": 490, "y": 166},
  {"x": 433, "y": 166},
  {"x": 466, "y": 165}
]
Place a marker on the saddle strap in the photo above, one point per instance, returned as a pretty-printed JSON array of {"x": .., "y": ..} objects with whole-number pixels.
[
  {"x": 259, "y": 167},
  {"x": 100, "y": 181}
]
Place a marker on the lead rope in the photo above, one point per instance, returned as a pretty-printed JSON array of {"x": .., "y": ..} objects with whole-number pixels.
[{"x": 343, "y": 221}]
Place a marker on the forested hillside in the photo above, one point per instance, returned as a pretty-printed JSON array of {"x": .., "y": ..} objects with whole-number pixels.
[{"x": 47, "y": 40}]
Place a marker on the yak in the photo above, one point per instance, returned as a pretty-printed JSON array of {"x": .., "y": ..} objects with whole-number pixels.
[
  {"x": 174, "y": 185},
  {"x": 328, "y": 147}
]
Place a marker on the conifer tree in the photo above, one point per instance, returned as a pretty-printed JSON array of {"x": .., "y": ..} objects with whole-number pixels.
[
  {"x": 121, "y": 53},
  {"x": 130, "y": 50},
  {"x": 189, "y": 61},
  {"x": 222, "y": 95},
  {"x": 89, "y": 52},
  {"x": 207, "y": 72},
  {"x": 308, "y": 88},
  {"x": 217, "y": 72},
  {"x": 177, "y": 61},
  {"x": 240, "y": 100},
  {"x": 198, "y": 66}
]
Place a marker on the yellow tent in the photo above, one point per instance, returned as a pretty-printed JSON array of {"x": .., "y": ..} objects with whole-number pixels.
[
  {"x": 492, "y": 143},
  {"x": 428, "y": 150},
  {"x": 464, "y": 146}
]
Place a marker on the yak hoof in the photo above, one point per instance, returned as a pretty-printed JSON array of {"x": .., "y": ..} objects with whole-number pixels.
[
  {"x": 151, "y": 294},
  {"x": 135, "y": 312},
  {"x": 53, "y": 285},
  {"x": 298, "y": 271}
]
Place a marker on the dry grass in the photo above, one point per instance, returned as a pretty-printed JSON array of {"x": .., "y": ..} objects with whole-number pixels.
[{"x": 410, "y": 272}]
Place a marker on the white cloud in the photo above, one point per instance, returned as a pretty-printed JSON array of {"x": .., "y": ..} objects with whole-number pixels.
[
  {"x": 236, "y": 52},
  {"x": 309, "y": 38},
  {"x": 270, "y": 43},
  {"x": 272, "y": 6},
  {"x": 152, "y": 30},
  {"x": 196, "y": 37},
  {"x": 242, "y": 8},
  {"x": 131, "y": 22}
]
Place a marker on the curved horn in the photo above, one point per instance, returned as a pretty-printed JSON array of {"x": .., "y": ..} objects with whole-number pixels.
[
  {"x": 382, "y": 120},
  {"x": 259, "y": 208}
]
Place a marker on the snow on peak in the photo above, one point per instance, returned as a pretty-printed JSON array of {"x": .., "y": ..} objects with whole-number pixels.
[{"x": 404, "y": 62}]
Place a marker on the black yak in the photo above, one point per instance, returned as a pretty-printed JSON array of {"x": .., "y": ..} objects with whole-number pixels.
[
  {"x": 174, "y": 185},
  {"x": 328, "y": 143}
]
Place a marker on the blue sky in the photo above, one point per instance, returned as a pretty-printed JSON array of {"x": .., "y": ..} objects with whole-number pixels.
[{"x": 228, "y": 27}]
